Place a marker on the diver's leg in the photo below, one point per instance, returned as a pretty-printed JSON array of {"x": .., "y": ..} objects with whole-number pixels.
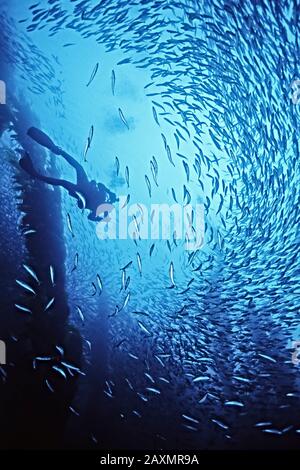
[
  {"x": 27, "y": 165},
  {"x": 41, "y": 138},
  {"x": 71, "y": 187},
  {"x": 81, "y": 175}
]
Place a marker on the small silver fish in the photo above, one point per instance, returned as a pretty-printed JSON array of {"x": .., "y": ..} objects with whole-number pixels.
[
  {"x": 115, "y": 312},
  {"x": 154, "y": 174},
  {"x": 49, "y": 386},
  {"x": 127, "y": 201},
  {"x": 148, "y": 185},
  {"x": 86, "y": 149},
  {"x": 75, "y": 262},
  {"x": 129, "y": 383},
  {"x": 169, "y": 155},
  {"x": 127, "y": 283},
  {"x": 203, "y": 399},
  {"x": 60, "y": 371},
  {"x": 187, "y": 170},
  {"x": 126, "y": 300},
  {"x": 234, "y": 403},
  {"x": 272, "y": 431},
  {"x": 151, "y": 249},
  {"x": 51, "y": 269},
  {"x": 26, "y": 286},
  {"x": 153, "y": 390},
  {"x": 144, "y": 329},
  {"x": 60, "y": 350},
  {"x": 72, "y": 367},
  {"x": 44, "y": 358},
  {"x": 241, "y": 379},
  {"x": 91, "y": 133},
  {"x": 126, "y": 266},
  {"x": 149, "y": 377},
  {"x": 123, "y": 280},
  {"x": 117, "y": 165},
  {"x": 113, "y": 82},
  {"x": 220, "y": 424},
  {"x": 141, "y": 313},
  {"x": 93, "y": 74},
  {"x": 136, "y": 224},
  {"x": 191, "y": 428},
  {"x": 201, "y": 378},
  {"x": 139, "y": 262},
  {"x": 99, "y": 282},
  {"x": 122, "y": 117},
  {"x": 23, "y": 309},
  {"x": 49, "y": 304},
  {"x": 142, "y": 396},
  {"x": 161, "y": 363},
  {"x": 171, "y": 274},
  {"x": 29, "y": 232},
  {"x": 155, "y": 115},
  {"x": 133, "y": 356},
  {"x": 95, "y": 289},
  {"x": 31, "y": 272},
  {"x": 165, "y": 141},
  {"x": 81, "y": 316},
  {"x": 174, "y": 195},
  {"x": 82, "y": 200},
  {"x": 73, "y": 411},
  {"x": 127, "y": 176},
  {"x": 69, "y": 224},
  {"x": 262, "y": 424},
  {"x": 186, "y": 194},
  {"x": 189, "y": 418},
  {"x": 267, "y": 357}
]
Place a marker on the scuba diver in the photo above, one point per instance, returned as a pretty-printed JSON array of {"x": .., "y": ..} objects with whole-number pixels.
[{"x": 89, "y": 194}]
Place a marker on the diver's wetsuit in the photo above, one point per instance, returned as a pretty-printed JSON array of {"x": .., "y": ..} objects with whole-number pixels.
[{"x": 93, "y": 193}]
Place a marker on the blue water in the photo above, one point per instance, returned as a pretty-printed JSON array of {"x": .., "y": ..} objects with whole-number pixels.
[{"x": 219, "y": 347}]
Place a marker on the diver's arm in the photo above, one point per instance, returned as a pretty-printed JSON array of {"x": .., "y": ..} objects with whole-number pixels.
[
  {"x": 113, "y": 197},
  {"x": 94, "y": 218}
]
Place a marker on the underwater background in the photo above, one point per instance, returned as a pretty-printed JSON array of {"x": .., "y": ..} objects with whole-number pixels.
[{"x": 140, "y": 343}]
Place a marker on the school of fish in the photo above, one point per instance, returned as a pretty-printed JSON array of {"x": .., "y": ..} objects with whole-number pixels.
[{"x": 200, "y": 339}]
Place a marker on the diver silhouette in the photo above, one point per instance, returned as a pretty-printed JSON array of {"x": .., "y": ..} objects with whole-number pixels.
[{"x": 89, "y": 194}]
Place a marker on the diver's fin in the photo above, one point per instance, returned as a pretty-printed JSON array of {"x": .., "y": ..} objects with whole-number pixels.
[{"x": 41, "y": 138}]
